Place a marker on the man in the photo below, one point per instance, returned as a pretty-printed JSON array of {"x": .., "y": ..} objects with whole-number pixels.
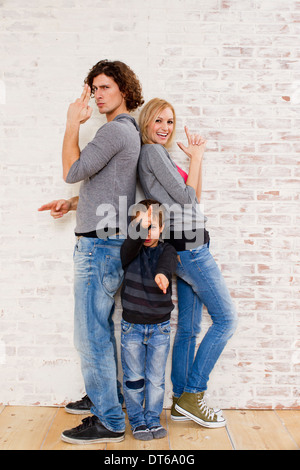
[{"x": 107, "y": 168}]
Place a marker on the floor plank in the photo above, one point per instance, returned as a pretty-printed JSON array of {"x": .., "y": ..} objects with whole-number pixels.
[
  {"x": 258, "y": 430},
  {"x": 24, "y": 428},
  {"x": 291, "y": 421},
  {"x": 34, "y": 428},
  {"x": 188, "y": 435}
]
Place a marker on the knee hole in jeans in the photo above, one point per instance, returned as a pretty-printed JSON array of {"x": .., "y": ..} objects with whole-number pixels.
[{"x": 136, "y": 384}]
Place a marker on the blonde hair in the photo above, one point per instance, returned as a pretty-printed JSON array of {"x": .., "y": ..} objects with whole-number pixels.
[{"x": 149, "y": 114}]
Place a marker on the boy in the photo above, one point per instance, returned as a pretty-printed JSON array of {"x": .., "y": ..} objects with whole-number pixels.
[{"x": 146, "y": 300}]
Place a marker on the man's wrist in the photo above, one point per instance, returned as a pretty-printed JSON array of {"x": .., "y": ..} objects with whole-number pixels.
[
  {"x": 73, "y": 203},
  {"x": 72, "y": 126}
]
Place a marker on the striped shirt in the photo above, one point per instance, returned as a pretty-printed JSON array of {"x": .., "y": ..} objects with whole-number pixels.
[{"x": 142, "y": 300}]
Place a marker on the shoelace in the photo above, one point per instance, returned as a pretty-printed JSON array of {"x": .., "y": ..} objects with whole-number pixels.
[
  {"x": 86, "y": 423},
  {"x": 85, "y": 398},
  {"x": 208, "y": 412}
]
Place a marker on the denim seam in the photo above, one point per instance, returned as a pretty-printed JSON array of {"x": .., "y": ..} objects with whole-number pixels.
[
  {"x": 203, "y": 272},
  {"x": 189, "y": 344},
  {"x": 91, "y": 255},
  {"x": 90, "y": 258},
  {"x": 188, "y": 351}
]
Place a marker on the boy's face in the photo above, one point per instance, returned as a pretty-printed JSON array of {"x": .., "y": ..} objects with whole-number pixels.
[
  {"x": 148, "y": 218},
  {"x": 153, "y": 233}
]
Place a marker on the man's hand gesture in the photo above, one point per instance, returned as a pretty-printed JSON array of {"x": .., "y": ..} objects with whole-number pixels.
[
  {"x": 80, "y": 111},
  {"x": 57, "y": 208}
]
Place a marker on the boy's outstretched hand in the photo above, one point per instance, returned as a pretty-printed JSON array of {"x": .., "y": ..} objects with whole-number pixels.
[{"x": 162, "y": 282}]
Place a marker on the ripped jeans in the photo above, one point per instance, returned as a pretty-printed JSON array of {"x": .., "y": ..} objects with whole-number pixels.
[{"x": 144, "y": 352}]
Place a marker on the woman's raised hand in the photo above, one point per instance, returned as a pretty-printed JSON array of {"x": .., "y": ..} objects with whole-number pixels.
[{"x": 196, "y": 145}]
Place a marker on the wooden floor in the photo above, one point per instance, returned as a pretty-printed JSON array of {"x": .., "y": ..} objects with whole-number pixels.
[{"x": 39, "y": 428}]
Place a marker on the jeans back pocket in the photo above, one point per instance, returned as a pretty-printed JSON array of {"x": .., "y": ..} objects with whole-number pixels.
[{"x": 113, "y": 274}]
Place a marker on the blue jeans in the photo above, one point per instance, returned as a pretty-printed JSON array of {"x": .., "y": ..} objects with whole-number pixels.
[
  {"x": 199, "y": 282},
  {"x": 144, "y": 352},
  {"x": 97, "y": 276}
]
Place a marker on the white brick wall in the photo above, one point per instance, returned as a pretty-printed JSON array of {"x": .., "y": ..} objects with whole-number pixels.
[{"x": 232, "y": 70}]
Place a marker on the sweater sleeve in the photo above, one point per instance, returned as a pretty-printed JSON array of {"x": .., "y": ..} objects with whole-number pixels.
[
  {"x": 168, "y": 177},
  {"x": 167, "y": 262},
  {"x": 96, "y": 155},
  {"x": 131, "y": 246}
]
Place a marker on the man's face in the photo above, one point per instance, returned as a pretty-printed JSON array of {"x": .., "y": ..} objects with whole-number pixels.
[{"x": 109, "y": 99}]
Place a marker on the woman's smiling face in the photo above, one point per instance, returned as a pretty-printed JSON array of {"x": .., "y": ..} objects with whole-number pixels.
[{"x": 160, "y": 130}]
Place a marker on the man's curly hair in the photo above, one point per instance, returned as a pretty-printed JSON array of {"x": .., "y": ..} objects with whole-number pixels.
[{"x": 124, "y": 77}]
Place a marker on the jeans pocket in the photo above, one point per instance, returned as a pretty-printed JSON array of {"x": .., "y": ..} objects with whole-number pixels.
[
  {"x": 113, "y": 273},
  {"x": 202, "y": 259},
  {"x": 126, "y": 327},
  {"x": 164, "y": 328},
  {"x": 85, "y": 246}
]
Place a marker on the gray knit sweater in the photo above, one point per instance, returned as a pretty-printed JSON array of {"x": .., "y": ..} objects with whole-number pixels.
[
  {"x": 107, "y": 168},
  {"x": 161, "y": 180}
]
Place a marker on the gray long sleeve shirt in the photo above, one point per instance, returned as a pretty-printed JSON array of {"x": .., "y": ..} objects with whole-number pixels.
[
  {"x": 161, "y": 180},
  {"x": 107, "y": 168}
]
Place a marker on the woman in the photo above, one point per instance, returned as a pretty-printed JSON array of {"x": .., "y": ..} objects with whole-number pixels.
[{"x": 199, "y": 280}]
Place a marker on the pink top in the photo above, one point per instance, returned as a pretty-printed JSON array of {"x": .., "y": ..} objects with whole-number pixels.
[{"x": 182, "y": 172}]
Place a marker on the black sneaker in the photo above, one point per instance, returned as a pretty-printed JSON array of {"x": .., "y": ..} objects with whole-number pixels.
[
  {"x": 80, "y": 407},
  {"x": 91, "y": 431}
]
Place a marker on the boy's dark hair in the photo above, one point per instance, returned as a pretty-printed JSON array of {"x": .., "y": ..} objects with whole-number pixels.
[
  {"x": 158, "y": 209},
  {"x": 124, "y": 77}
]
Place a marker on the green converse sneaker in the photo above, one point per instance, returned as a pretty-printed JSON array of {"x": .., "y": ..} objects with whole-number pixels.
[
  {"x": 175, "y": 416},
  {"x": 194, "y": 407}
]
